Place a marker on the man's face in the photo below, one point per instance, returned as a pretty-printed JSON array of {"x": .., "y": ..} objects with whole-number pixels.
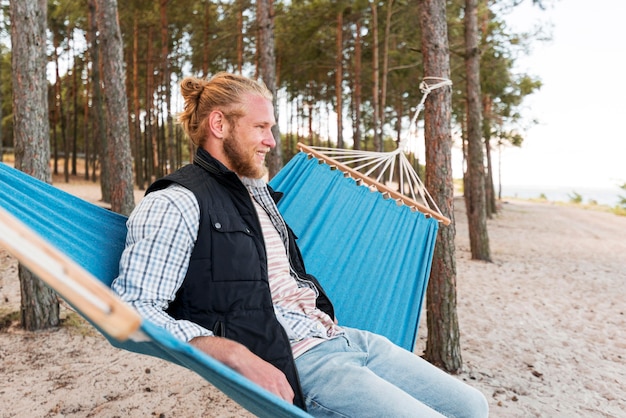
[{"x": 247, "y": 143}]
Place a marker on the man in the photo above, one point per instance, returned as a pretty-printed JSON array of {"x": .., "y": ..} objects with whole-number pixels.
[{"x": 209, "y": 258}]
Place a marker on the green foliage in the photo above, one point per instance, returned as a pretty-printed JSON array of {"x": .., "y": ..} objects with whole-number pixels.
[
  {"x": 622, "y": 199},
  {"x": 504, "y": 90},
  {"x": 620, "y": 208},
  {"x": 203, "y": 38},
  {"x": 78, "y": 325},
  {"x": 6, "y": 91},
  {"x": 8, "y": 318},
  {"x": 575, "y": 198}
]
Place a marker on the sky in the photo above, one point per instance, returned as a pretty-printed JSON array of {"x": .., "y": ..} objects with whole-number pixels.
[{"x": 580, "y": 141}]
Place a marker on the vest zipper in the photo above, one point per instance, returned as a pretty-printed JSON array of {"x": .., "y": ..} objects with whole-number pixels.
[{"x": 219, "y": 330}]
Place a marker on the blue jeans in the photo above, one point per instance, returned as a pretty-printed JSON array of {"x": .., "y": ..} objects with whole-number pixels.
[{"x": 363, "y": 374}]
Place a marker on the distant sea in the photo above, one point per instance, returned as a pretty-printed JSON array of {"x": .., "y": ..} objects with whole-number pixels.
[{"x": 602, "y": 196}]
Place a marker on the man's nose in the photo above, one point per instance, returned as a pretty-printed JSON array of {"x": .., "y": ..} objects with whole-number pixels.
[{"x": 269, "y": 139}]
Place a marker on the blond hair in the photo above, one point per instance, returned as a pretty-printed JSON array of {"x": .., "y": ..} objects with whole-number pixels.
[{"x": 224, "y": 92}]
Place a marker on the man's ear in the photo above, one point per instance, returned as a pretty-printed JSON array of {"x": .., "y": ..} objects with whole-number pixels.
[{"x": 217, "y": 124}]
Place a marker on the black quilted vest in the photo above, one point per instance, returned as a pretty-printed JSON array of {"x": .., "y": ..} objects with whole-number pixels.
[{"x": 226, "y": 287}]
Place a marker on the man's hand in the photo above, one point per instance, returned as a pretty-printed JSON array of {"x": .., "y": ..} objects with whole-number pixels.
[{"x": 244, "y": 361}]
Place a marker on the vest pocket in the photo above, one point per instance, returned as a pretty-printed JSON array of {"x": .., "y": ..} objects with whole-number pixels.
[{"x": 234, "y": 249}]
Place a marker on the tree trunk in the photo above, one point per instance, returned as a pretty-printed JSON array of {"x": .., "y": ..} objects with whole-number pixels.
[
  {"x": 152, "y": 150},
  {"x": 399, "y": 109},
  {"x": 385, "y": 75},
  {"x": 476, "y": 212},
  {"x": 74, "y": 113},
  {"x": 171, "y": 162},
  {"x": 137, "y": 137},
  {"x": 55, "y": 116},
  {"x": 58, "y": 104},
  {"x": 87, "y": 94},
  {"x": 358, "y": 48},
  {"x": 240, "y": 35},
  {"x": 443, "y": 346},
  {"x": 118, "y": 133},
  {"x": 207, "y": 38},
  {"x": 39, "y": 304},
  {"x": 378, "y": 142},
  {"x": 339, "y": 78},
  {"x": 100, "y": 145},
  {"x": 490, "y": 194},
  {"x": 267, "y": 71},
  {"x": 86, "y": 121}
]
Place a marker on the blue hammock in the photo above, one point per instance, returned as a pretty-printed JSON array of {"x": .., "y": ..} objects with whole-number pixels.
[{"x": 372, "y": 256}]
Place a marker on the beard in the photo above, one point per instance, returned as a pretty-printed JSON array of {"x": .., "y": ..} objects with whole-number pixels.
[{"x": 242, "y": 160}]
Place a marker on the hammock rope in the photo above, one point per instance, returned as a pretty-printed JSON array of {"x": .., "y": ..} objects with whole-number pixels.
[{"x": 378, "y": 169}]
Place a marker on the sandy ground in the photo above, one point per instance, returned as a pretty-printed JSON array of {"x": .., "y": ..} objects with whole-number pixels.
[{"x": 543, "y": 331}]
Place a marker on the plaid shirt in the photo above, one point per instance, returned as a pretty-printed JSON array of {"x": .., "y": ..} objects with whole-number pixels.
[{"x": 162, "y": 231}]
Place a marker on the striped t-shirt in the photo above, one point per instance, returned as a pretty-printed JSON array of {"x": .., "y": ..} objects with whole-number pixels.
[{"x": 294, "y": 299}]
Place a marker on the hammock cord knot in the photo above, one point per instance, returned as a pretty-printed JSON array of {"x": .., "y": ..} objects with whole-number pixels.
[{"x": 391, "y": 169}]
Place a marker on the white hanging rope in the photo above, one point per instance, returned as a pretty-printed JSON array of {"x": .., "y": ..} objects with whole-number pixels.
[
  {"x": 426, "y": 89},
  {"x": 369, "y": 163}
]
